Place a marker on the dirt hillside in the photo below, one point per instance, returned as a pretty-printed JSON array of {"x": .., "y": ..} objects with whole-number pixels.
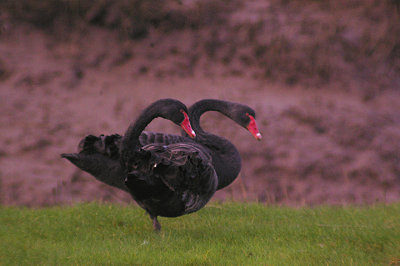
[{"x": 323, "y": 77}]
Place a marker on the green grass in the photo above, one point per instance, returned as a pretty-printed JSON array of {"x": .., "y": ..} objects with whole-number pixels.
[{"x": 228, "y": 234}]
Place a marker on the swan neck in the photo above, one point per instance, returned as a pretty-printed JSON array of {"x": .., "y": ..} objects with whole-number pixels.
[
  {"x": 133, "y": 132},
  {"x": 199, "y": 108}
]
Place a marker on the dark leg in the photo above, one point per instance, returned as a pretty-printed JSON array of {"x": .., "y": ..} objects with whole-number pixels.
[{"x": 156, "y": 224}]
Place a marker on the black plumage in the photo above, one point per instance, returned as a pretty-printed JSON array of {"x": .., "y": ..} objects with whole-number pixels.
[
  {"x": 225, "y": 157},
  {"x": 166, "y": 180}
]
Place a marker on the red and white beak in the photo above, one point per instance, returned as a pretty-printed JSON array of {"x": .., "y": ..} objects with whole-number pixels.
[
  {"x": 252, "y": 127},
  {"x": 187, "y": 127}
]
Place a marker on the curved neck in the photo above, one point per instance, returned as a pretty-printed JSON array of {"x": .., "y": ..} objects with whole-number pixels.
[
  {"x": 200, "y": 107},
  {"x": 226, "y": 158},
  {"x": 131, "y": 137}
]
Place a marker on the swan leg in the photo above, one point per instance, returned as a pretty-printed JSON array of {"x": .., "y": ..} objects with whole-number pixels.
[{"x": 156, "y": 224}]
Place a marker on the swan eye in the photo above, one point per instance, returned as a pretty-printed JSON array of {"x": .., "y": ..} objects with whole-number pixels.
[{"x": 248, "y": 118}]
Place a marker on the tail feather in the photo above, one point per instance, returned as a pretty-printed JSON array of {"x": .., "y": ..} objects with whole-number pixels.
[
  {"x": 105, "y": 145},
  {"x": 103, "y": 168}
]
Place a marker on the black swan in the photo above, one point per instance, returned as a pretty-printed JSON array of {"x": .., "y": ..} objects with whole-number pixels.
[
  {"x": 165, "y": 180},
  {"x": 225, "y": 157},
  {"x": 100, "y": 155}
]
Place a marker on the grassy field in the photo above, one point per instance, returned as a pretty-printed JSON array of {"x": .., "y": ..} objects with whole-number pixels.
[{"x": 228, "y": 234}]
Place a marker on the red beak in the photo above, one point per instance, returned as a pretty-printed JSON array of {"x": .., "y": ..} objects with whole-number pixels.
[
  {"x": 187, "y": 127},
  {"x": 252, "y": 127}
]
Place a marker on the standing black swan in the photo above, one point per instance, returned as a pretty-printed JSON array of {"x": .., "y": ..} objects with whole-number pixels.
[
  {"x": 165, "y": 180},
  {"x": 100, "y": 155},
  {"x": 225, "y": 157}
]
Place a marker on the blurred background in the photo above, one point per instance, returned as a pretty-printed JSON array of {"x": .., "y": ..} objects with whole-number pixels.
[{"x": 323, "y": 77}]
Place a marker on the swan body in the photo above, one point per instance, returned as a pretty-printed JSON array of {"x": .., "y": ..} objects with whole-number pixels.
[
  {"x": 172, "y": 180},
  {"x": 165, "y": 180}
]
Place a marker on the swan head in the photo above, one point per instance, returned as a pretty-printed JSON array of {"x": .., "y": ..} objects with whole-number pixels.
[
  {"x": 177, "y": 112},
  {"x": 246, "y": 117}
]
